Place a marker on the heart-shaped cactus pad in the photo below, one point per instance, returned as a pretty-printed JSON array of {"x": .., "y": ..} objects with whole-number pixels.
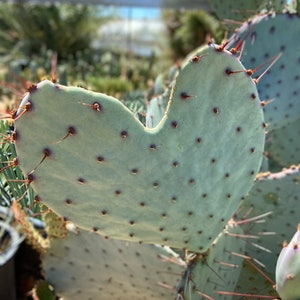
[{"x": 178, "y": 184}]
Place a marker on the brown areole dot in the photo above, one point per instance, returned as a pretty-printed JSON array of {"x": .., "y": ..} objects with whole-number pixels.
[
  {"x": 32, "y": 88},
  {"x": 81, "y": 180},
  {"x": 174, "y": 124},
  {"x": 30, "y": 178},
  {"x": 97, "y": 107},
  {"x": 216, "y": 110},
  {"x": 191, "y": 181},
  {"x": 124, "y": 134},
  {"x": 228, "y": 71},
  {"x": 185, "y": 96},
  {"x": 272, "y": 29},
  {"x": 174, "y": 199},
  {"x": 100, "y": 159},
  {"x": 195, "y": 59},
  {"x": 198, "y": 140},
  {"x": 71, "y": 130},
  {"x": 134, "y": 171},
  {"x": 37, "y": 198},
  {"x": 152, "y": 147},
  {"x": 175, "y": 164},
  {"x": 68, "y": 201},
  {"x": 155, "y": 184},
  {"x": 47, "y": 152}
]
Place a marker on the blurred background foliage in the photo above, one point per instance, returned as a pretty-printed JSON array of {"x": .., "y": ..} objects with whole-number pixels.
[
  {"x": 28, "y": 28},
  {"x": 38, "y": 41},
  {"x": 190, "y": 29}
]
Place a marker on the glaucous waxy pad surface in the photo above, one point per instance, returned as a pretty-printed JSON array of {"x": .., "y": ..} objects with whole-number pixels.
[
  {"x": 277, "y": 193},
  {"x": 86, "y": 266},
  {"x": 267, "y": 37},
  {"x": 177, "y": 184},
  {"x": 218, "y": 270}
]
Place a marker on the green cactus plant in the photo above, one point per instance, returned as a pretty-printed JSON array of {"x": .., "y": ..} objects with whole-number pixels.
[
  {"x": 255, "y": 282},
  {"x": 177, "y": 181},
  {"x": 265, "y": 37},
  {"x": 84, "y": 264},
  {"x": 283, "y": 144},
  {"x": 126, "y": 155},
  {"x": 274, "y": 194},
  {"x": 216, "y": 271},
  {"x": 288, "y": 269}
]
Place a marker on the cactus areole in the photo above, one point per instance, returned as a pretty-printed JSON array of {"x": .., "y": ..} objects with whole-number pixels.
[{"x": 92, "y": 162}]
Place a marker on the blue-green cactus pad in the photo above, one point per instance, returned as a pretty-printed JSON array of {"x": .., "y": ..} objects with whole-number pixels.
[
  {"x": 87, "y": 266},
  {"x": 288, "y": 269},
  {"x": 177, "y": 184},
  {"x": 267, "y": 36},
  {"x": 156, "y": 109},
  {"x": 278, "y": 193},
  {"x": 284, "y": 144},
  {"x": 253, "y": 282},
  {"x": 216, "y": 271}
]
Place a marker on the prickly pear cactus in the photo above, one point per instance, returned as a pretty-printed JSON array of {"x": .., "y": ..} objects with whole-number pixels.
[
  {"x": 95, "y": 164},
  {"x": 273, "y": 207},
  {"x": 85, "y": 265},
  {"x": 288, "y": 269},
  {"x": 265, "y": 38},
  {"x": 156, "y": 109},
  {"x": 216, "y": 272},
  {"x": 284, "y": 144},
  {"x": 255, "y": 282},
  {"x": 159, "y": 85}
]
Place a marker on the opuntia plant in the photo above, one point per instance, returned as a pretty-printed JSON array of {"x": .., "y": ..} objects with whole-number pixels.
[
  {"x": 178, "y": 207},
  {"x": 288, "y": 269},
  {"x": 84, "y": 264},
  {"x": 64, "y": 170}
]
